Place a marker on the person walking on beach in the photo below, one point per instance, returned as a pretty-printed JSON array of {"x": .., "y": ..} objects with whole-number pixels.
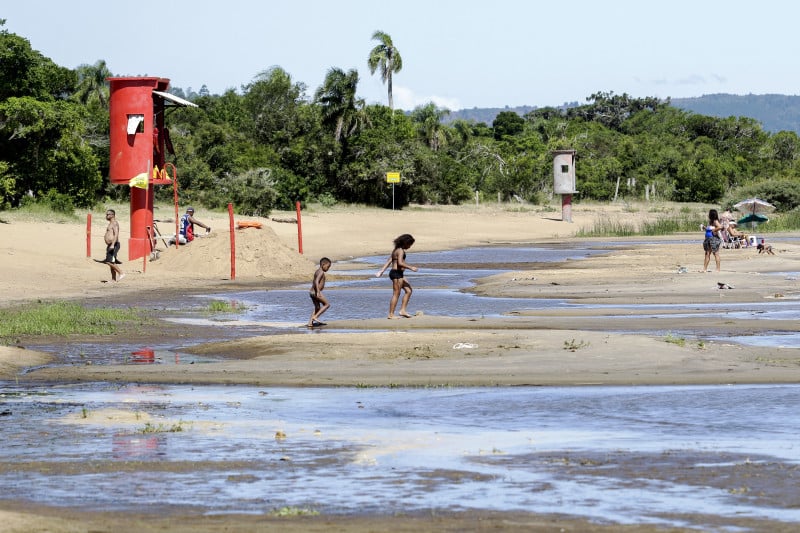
[
  {"x": 317, "y": 285},
  {"x": 397, "y": 262},
  {"x": 112, "y": 245},
  {"x": 712, "y": 240}
]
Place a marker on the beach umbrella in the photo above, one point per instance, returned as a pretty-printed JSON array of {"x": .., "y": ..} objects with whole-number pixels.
[
  {"x": 753, "y": 210},
  {"x": 753, "y": 218},
  {"x": 754, "y": 206}
]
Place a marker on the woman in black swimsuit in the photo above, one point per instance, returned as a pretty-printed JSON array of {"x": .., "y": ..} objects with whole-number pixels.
[{"x": 398, "y": 264}]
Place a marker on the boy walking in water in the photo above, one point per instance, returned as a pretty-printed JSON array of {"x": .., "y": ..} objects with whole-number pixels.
[{"x": 317, "y": 285}]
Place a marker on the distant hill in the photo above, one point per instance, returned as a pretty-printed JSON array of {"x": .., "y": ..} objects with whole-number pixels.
[
  {"x": 775, "y": 112},
  {"x": 485, "y": 114}
]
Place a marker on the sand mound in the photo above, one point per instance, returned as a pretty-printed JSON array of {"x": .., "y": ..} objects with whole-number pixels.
[{"x": 259, "y": 254}]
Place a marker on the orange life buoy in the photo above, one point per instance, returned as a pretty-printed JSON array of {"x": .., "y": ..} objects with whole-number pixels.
[{"x": 248, "y": 224}]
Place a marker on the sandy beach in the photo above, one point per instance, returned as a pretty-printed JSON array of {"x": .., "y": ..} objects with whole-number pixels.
[
  {"x": 45, "y": 261},
  {"x": 649, "y": 271}
]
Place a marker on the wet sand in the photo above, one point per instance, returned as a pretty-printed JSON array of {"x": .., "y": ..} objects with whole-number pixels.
[
  {"x": 549, "y": 347},
  {"x": 436, "y": 351},
  {"x": 25, "y": 518}
]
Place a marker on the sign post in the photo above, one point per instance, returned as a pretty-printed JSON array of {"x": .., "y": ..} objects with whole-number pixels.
[{"x": 393, "y": 177}]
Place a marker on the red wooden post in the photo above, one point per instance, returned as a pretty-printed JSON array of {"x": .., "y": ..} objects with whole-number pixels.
[
  {"x": 299, "y": 229},
  {"x": 145, "y": 256},
  {"x": 233, "y": 243},
  {"x": 566, "y": 207},
  {"x": 175, "y": 199},
  {"x": 148, "y": 206},
  {"x": 89, "y": 235}
]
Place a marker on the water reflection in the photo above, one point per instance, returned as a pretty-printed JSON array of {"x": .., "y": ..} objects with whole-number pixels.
[
  {"x": 144, "y": 355},
  {"x": 608, "y": 453}
]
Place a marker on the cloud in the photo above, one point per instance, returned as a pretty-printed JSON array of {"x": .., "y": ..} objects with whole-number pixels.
[
  {"x": 404, "y": 98},
  {"x": 691, "y": 79}
]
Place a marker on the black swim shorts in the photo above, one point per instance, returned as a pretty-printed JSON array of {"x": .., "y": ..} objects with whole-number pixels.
[{"x": 111, "y": 252}]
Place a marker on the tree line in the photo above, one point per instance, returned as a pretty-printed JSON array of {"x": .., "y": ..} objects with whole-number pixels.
[
  {"x": 272, "y": 143},
  {"x": 775, "y": 112}
]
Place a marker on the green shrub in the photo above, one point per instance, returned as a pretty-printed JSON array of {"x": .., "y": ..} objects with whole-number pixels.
[
  {"x": 8, "y": 186},
  {"x": 58, "y": 202},
  {"x": 783, "y": 194},
  {"x": 326, "y": 199},
  {"x": 252, "y": 193}
]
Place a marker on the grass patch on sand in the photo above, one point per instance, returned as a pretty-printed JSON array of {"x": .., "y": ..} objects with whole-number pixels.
[
  {"x": 226, "y": 306},
  {"x": 293, "y": 511},
  {"x": 573, "y": 346},
  {"x": 781, "y": 222},
  {"x": 650, "y": 226},
  {"x": 38, "y": 212},
  {"x": 667, "y": 220},
  {"x": 63, "y": 318},
  {"x": 161, "y": 428},
  {"x": 606, "y": 227},
  {"x": 672, "y": 339}
]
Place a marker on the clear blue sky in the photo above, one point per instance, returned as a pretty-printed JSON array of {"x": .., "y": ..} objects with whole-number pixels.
[{"x": 456, "y": 53}]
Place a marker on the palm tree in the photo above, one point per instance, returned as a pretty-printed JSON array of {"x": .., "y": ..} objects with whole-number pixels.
[
  {"x": 342, "y": 110},
  {"x": 387, "y": 57},
  {"x": 428, "y": 119},
  {"x": 92, "y": 83}
]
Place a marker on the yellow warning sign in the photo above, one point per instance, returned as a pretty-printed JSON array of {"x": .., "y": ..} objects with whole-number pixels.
[{"x": 392, "y": 177}]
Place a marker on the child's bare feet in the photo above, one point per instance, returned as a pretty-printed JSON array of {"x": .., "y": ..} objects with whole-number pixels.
[
  {"x": 392, "y": 317},
  {"x": 404, "y": 314}
]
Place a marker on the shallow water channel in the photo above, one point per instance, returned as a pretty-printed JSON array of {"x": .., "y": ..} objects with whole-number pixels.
[
  {"x": 621, "y": 454},
  {"x": 662, "y": 455},
  {"x": 439, "y": 289}
]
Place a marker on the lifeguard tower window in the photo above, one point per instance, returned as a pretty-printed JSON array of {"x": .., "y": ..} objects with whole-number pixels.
[
  {"x": 564, "y": 169},
  {"x": 135, "y": 124}
]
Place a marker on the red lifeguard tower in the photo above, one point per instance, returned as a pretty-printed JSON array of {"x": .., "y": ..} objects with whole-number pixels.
[{"x": 139, "y": 140}]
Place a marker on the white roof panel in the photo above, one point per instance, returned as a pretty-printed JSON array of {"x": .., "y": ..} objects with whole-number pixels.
[{"x": 175, "y": 99}]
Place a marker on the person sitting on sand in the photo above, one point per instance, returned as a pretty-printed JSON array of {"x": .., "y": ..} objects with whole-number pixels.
[
  {"x": 187, "y": 226},
  {"x": 763, "y": 247},
  {"x": 397, "y": 261}
]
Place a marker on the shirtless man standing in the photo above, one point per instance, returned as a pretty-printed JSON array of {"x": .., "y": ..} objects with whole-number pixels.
[{"x": 112, "y": 245}]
